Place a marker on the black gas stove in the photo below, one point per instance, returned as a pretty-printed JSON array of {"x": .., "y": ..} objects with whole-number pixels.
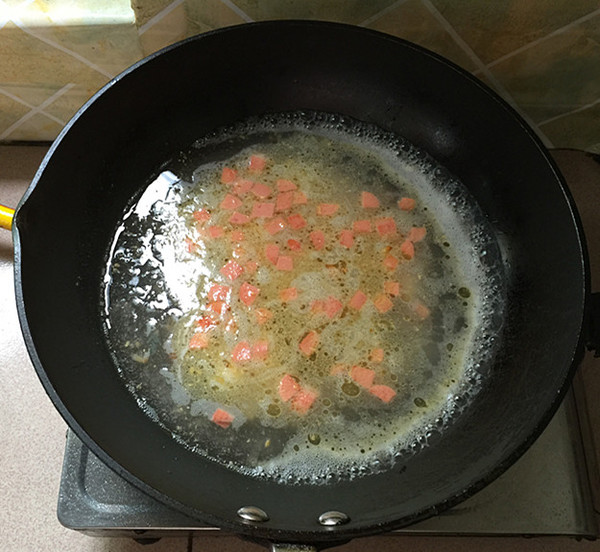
[{"x": 547, "y": 492}]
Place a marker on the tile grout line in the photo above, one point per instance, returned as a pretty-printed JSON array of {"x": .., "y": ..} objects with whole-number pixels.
[
  {"x": 30, "y": 106},
  {"x": 39, "y": 109},
  {"x": 78, "y": 57},
  {"x": 484, "y": 69},
  {"x": 16, "y": 98},
  {"x": 554, "y": 33},
  {"x": 160, "y": 15},
  {"x": 234, "y": 7},
  {"x": 571, "y": 112},
  {"x": 380, "y": 14}
]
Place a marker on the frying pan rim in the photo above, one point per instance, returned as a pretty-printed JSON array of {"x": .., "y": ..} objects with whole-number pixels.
[{"x": 325, "y": 536}]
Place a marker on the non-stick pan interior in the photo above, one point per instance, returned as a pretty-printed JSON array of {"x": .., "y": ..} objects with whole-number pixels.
[{"x": 118, "y": 143}]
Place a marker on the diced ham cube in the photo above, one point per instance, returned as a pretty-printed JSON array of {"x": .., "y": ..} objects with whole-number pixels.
[
  {"x": 417, "y": 233},
  {"x": 309, "y": 342},
  {"x": 407, "y": 204},
  {"x": 198, "y": 341},
  {"x": 263, "y": 210},
  {"x": 376, "y": 355},
  {"x": 205, "y": 323},
  {"x": 219, "y": 307},
  {"x": 190, "y": 245},
  {"x": 285, "y": 185},
  {"x": 383, "y": 392},
  {"x": 260, "y": 349},
  {"x": 288, "y": 387},
  {"x": 250, "y": 267},
  {"x": 294, "y": 245},
  {"x": 230, "y": 202},
  {"x": 284, "y": 201},
  {"x": 228, "y": 175},
  {"x": 261, "y": 190},
  {"x": 248, "y": 293},
  {"x": 390, "y": 262},
  {"x": 242, "y": 352},
  {"x": 296, "y": 221},
  {"x": 215, "y": 231},
  {"x": 272, "y": 252},
  {"x": 201, "y": 215},
  {"x": 358, "y": 300},
  {"x": 392, "y": 288},
  {"x": 385, "y": 226},
  {"x": 318, "y": 239},
  {"x": 347, "y": 238},
  {"x": 332, "y": 306},
  {"x": 274, "y": 226},
  {"x": 262, "y": 315},
  {"x": 238, "y": 218},
  {"x": 383, "y": 303},
  {"x": 257, "y": 163},
  {"x": 288, "y": 294},
  {"x": 222, "y": 418},
  {"x": 369, "y": 201},
  {"x": 362, "y": 226},
  {"x": 242, "y": 187},
  {"x": 303, "y": 400},
  {"x": 232, "y": 270},
  {"x": 285, "y": 263},
  {"x": 407, "y": 249},
  {"x": 218, "y": 292},
  {"x": 363, "y": 376},
  {"x": 327, "y": 209},
  {"x": 300, "y": 198}
]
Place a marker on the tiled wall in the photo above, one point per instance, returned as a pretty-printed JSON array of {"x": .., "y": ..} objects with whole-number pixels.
[{"x": 542, "y": 56}]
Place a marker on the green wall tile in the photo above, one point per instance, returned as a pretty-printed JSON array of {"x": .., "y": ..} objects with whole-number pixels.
[
  {"x": 145, "y": 10},
  {"x": 414, "y": 22},
  {"x": 496, "y": 28},
  {"x": 345, "y": 11},
  {"x": 208, "y": 15},
  {"x": 580, "y": 130},
  {"x": 557, "y": 75}
]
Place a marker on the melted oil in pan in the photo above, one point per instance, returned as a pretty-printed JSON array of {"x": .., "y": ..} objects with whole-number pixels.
[{"x": 382, "y": 379}]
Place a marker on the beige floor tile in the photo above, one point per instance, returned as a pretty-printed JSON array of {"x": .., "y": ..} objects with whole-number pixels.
[
  {"x": 10, "y": 111},
  {"x": 31, "y": 93},
  {"x": 37, "y": 127}
]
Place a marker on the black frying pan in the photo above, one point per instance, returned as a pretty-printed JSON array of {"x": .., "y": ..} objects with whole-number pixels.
[{"x": 117, "y": 143}]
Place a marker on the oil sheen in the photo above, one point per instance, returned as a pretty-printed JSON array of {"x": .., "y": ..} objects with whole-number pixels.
[{"x": 401, "y": 335}]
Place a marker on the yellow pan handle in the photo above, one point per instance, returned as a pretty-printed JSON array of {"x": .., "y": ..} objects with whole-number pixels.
[{"x": 6, "y": 217}]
